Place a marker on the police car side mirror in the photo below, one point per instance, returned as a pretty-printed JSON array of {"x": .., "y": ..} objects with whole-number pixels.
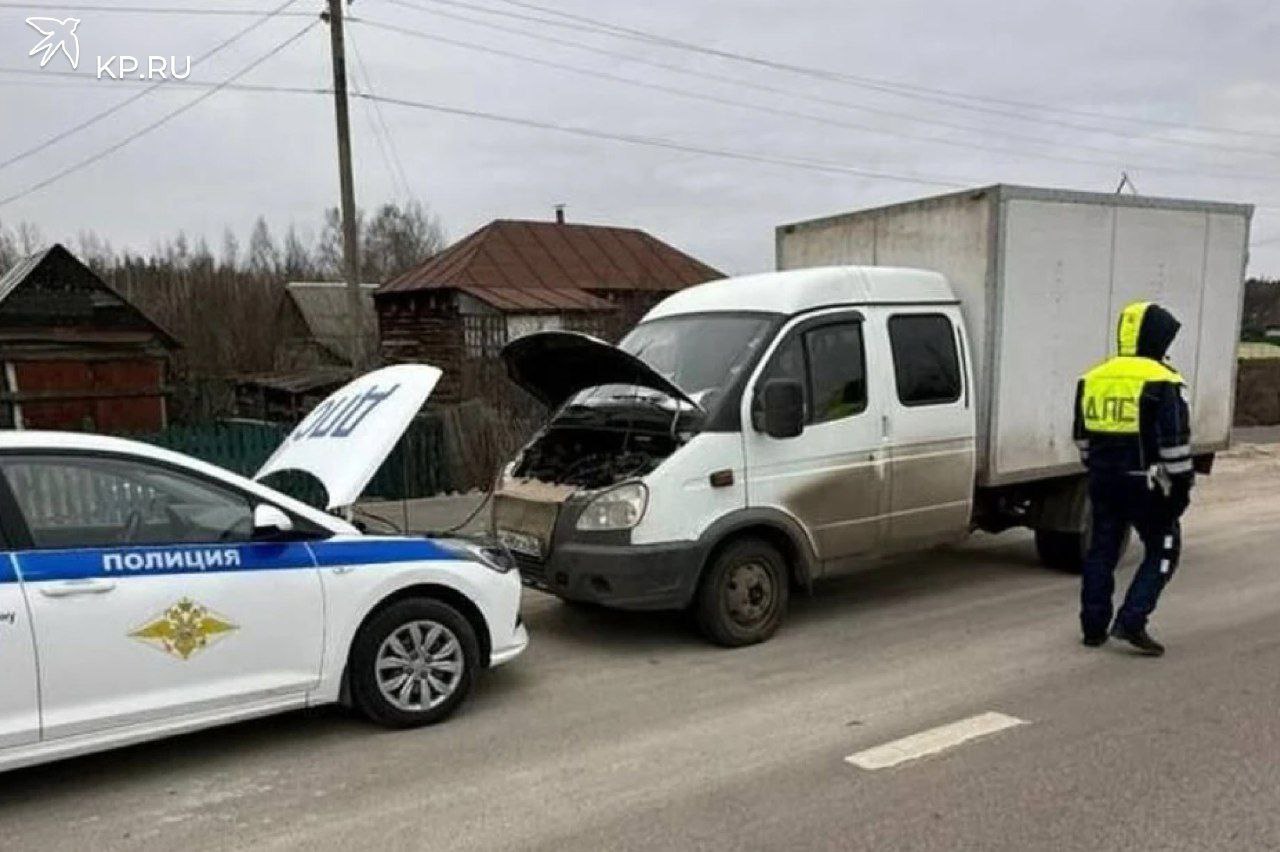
[{"x": 270, "y": 522}]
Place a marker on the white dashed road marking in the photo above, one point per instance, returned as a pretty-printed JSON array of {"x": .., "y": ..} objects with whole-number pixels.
[{"x": 932, "y": 741}]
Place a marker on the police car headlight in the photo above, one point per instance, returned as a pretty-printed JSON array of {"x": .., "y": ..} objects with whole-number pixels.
[{"x": 618, "y": 508}]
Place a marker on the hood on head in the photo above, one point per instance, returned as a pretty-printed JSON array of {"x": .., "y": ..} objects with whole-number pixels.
[
  {"x": 1146, "y": 330},
  {"x": 345, "y": 439},
  {"x": 554, "y": 365}
]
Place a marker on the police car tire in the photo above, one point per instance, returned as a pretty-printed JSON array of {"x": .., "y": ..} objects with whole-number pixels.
[
  {"x": 710, "y": 609},
  {"x": 368, "y": 697}
]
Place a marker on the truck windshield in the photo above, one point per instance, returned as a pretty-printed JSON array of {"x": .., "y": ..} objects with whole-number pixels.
[{"x": 702, "y": 354}]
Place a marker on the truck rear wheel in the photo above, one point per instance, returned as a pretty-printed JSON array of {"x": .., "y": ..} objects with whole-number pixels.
[
  {"x": 1062, "y": 551},
  {"x": 1065, "y": 551},
  {"x": 743, "y": 594}
]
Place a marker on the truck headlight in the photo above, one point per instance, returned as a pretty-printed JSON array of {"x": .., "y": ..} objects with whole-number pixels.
[{"x": 618, "y": 508}]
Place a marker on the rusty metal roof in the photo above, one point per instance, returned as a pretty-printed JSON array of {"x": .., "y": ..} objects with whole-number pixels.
[
  {"x": 555, "y": 262},
  {"x": 534, "y": 300}
]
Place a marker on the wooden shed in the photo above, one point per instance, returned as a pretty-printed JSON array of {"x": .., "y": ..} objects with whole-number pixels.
[
  {"x": 458, "y": 308},
  {"x": 75, "y": 354},
  {"x": 314, "y": 329}
]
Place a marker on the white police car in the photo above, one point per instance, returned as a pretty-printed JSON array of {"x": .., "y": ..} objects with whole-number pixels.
[{"x": 144, "y": 593}]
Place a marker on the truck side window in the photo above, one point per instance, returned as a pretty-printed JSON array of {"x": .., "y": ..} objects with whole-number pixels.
[
  {"x": 837, "y": 371},
  {"x": 925, "y": 365},
  {"x": 787, "y": 362}
]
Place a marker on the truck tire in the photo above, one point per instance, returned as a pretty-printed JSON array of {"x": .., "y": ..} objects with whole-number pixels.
[
  {"x": 1065, "y": 551},
  {"x": 743, "y": 594},
  {"x": 1062, "y": 551},
  {"x": 413, "y": 663}
]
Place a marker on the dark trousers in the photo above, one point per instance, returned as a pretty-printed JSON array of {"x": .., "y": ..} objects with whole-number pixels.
[{"x": 1120, "y": 501}]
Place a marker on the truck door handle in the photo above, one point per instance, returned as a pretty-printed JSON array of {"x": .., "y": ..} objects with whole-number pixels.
[{"x": 78, "y": 587}]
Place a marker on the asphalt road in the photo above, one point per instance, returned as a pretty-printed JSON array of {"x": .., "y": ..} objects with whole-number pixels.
[{"x": 627, "y": 732}]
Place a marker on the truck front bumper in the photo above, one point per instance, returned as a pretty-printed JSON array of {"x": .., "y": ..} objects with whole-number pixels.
[{"x": 623, "y": 576}]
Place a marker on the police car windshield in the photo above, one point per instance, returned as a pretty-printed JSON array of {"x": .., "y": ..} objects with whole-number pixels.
[{"x": 702, "y": 354}]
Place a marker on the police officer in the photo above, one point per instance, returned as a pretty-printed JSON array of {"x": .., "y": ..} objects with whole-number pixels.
[{"x": 1132, "y": 428}]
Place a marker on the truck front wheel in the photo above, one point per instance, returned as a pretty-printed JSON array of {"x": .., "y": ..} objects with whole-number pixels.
[{"x": 743, "y": 594}]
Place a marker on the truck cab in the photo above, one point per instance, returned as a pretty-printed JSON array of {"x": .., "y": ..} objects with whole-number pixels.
[{"x": 749, "y": 435}]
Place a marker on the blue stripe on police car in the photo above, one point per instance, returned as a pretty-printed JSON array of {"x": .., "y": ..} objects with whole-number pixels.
[
  {"x": 49, "y": 565},
  {"x": 7, "y": 573},
  {"x": 380, "y": 550},
  {"x": 43, "y": 565}
]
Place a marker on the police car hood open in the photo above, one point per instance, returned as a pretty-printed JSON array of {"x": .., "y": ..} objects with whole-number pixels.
[
  {"x": 554, "y": 365},
  {"x": 345, "y": 439}
]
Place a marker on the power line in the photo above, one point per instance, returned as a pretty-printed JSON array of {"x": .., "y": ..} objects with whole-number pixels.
[
  {"x": 660, "y": 39},
  {"x": 791, "y": 94},
  {"x": 919, "y": 93},
  {"x": 138, "y": 134},
  {"x": 153, "y": 10},
  {"x": 789, "y": 113},
  {"x": 49, "y": 77},
  {"x": 381, "y": 131},
  {"x": 585, "y": 24},
  {"x": 137, "y": 96},
  {"x": 380, "y": 143},
  {"x": 668, "y": 144}
]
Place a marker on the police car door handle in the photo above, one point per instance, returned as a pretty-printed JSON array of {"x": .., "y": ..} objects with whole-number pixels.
[{"x": 78, "y": 587}]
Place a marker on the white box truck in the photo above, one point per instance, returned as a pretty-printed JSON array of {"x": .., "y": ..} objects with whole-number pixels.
[
  {"x": 1041, "y": 275},
  {"x": 906, "y": 379}
]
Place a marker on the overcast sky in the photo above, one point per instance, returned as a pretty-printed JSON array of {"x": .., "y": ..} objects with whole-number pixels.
[{"x": 241, "y": 154}]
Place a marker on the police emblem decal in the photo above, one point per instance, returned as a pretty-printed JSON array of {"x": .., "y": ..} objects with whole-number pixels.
[{"x": 184, "y": 629}]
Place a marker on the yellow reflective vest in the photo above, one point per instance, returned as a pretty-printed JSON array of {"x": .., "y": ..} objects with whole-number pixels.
[{"x": 1111, "y": 396}]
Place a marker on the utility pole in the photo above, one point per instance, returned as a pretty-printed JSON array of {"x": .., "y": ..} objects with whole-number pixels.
[{"x": 350, "y": 246}]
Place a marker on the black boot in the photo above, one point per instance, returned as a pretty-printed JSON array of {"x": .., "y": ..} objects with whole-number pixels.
[
  {"x": 1094, "y": 640},
  {"x": 1140, "y": 639}
]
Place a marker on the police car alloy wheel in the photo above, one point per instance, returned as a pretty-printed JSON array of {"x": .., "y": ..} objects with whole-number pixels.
[
  {"x": 743, "y": 594},
  {"x": 413, "y": 663},
  {"x": 419, "y": 666}
]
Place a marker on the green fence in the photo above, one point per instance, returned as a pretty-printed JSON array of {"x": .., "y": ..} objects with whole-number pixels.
[{"x": 419, "y": 466}]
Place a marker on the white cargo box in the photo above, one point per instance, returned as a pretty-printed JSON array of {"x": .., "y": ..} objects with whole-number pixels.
[{"x": 1042, "y": 275}]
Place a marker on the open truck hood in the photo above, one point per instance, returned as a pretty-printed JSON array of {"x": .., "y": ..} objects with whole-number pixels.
[
  {"x": 345, "y": 439},
  {"x": 554, "y": 365}
]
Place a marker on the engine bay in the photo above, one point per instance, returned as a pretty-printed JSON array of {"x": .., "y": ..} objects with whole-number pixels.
[{"x": 593, "y": 457}]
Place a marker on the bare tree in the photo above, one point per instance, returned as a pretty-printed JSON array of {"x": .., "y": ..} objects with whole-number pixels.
[
  {"x": 297, "y": 261},
  {"x": 397, "y": 238},
  {"x": 10, "y": 253},
  {"x": 30, "y": 240},
  {"x": 230, "y": 249},
  {"x": 222, "y": 309},
  {"x": 264, "y": 257}
]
